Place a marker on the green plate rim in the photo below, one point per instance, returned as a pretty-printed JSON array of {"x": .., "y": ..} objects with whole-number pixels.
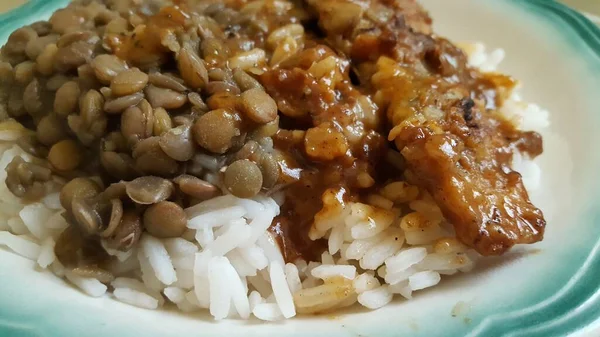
[
  {"x": 577, "y": 304},
  {"x": 26, "y": 13},
  {"x": 574, "y": 307}
]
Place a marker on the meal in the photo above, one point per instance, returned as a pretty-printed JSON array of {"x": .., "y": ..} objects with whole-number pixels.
[{"x": 260, "y": 158}]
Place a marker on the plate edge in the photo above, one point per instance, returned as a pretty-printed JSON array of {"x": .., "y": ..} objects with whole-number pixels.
[{"x": 568, "y": 311}]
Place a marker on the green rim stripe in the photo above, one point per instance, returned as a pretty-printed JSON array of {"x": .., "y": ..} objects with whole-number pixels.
[
  {"x": 581, "y": 25},
  {"x": 577, "y": 304},
  {"x": 26, "y": 13}
]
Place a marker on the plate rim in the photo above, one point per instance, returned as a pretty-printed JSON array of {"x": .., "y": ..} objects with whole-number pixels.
[
  {"x": 566, "y": 316},
  {"x": 567, "y": 313}
]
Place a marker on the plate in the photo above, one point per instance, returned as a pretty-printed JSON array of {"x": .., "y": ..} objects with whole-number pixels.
[{"x": 548, "y": 289}]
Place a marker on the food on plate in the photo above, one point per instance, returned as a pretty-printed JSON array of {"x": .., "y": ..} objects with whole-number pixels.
[{"x": 265, "y": 158}]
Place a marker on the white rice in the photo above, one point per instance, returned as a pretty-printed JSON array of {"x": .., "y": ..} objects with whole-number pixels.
[
  {"x": 179, "y": 247},
  {"x": 127, "y": 282},
  {"x": 52, "y": 201},
  {"x": 219, "y": 287},
  {"x": 281, "y": 290},
  {"x": 185, "y": 278},
  {"x": 230, "y": 264},
  {"x": 47, "y": 255},
  {"x": 17, "y": 226},
  {"x": 402, "y": 288},
  {"x": 375, "y": 298},
  {"x": 424, "y": 279},
  {"x": 267, "y": 312},
  {"x": 254, "y": 299},
  {"x": 34, "y": 216},
  {"x": 365, "y": 282},
  {"x": 254, "y": 255},
  {"x": 190, "y": 303},
  {"x": 23, "y": 247},
  {"x": 238, "y": 290},
  {"x": 325, "y": 272},
  {"x": 56, "y": 222},
  {"x": 153, "y": 249},
  {"x": 201, "y": 282},
  {"x": 292, "y": 276},
  {"x": 148, "y": 275},
  {"x": 57, "y": 268},
  {"x": 88, "y": 285},
  {"x": 406, "y": 258},
  {"x": 242, "y": 267},
  {"x": 135, "y": 298}
]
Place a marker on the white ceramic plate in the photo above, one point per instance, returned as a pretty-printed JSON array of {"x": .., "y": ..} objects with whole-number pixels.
[{"x": 548, "y": 289}]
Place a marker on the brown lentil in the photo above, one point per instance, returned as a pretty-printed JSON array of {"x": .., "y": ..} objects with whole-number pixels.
[
  {"x": 149, "y": 190},
  {"x": 106, "y": 67},
  {"x": 243, "y": 179},
  {"x": 117, "y": 105},
  {"x": 128, "y": 232},
  {"x": 197, "y": 101},
  {"x": 151, "y": 159},
  {"x": 128, "y": 82},
  {"x": 162, "y": 122},
  {"x": 116, "y": 214},
  {"x": 216, "y": 87},
  {"x": 90, "y": 107},
  {"x": 51, "y": 130},
  {"x": 178, "y": 144},
  {"x": 73, "y": 55},
  {"x": 165, "y": 98},
  {"x": 15, "y": 102},
  {"x": 32, "y": 100},
  {"x": 196, "y": 187},
  {"x": 85, "y": 216},
  {"x": 245, "y": 81},
  {"x": 223, "y": 100},
  {"x": 78, "y": 188},
  {"x": 167, "y": 81},
  {"x": 165, "y": 220},
  {"x": 45, "y": 61},
  {"x": 56, "y": 81},
  {"x": 270, "y": 170},
  {"x": 117, "y": 165},
  {"x": 65, "y": 155},
  {"x": 228, "y": 124},
  {"x": 67, "y": 97},
  {"x": 258, "y": 106},
  {"x": 192, "y": 68},
  {"x": 26, "y": 180},
  {"x": 23, "y": 72},
  {"x": 133, "y": 123}
]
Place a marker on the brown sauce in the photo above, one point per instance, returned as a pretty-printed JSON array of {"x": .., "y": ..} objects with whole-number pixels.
[
  {"x": 434, "y": 73},
  {"x": 147, "y": 39}
]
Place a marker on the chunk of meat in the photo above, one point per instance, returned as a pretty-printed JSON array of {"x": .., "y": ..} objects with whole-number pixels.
[
  {"x": 466, "y": 170},
  {"x": 348, "y": 16},
  {"x": 350, "y": 24},
  {"x": 490, "y": 209},
  {"x": 311, "y": 90},
  {"x": 325, "y": 143}
]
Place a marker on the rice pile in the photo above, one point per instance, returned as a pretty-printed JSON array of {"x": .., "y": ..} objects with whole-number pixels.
[{"x": 228, "y": 263}]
